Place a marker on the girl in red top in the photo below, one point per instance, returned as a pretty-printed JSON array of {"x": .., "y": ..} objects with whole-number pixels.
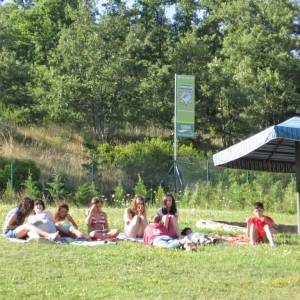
[
  {"x": 259, "y": 227},
  {"x": 96, "y": 221}
]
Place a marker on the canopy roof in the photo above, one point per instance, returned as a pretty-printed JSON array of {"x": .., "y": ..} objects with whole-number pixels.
[{"x": 273, "y": 149}]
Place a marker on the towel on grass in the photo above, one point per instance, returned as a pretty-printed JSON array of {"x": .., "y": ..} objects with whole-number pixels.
[
  {"x": 122, "y": 237},
  {"x": 77, "y": 242}
]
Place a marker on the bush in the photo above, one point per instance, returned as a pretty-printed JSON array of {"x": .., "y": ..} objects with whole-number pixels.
[
  {"x": 84, "y": 193},
  {"x": 140, "y": 188},
  {"x": 17, "y": 172},
  {"x": 119, "y": 199},
  {"x": 9, "y": 195},
  {"x": 56, "y": 187},
  {"x": 30, "y": 187},
  {"x": 150, "y": 158},
  {"x": 158, "y": 196}
]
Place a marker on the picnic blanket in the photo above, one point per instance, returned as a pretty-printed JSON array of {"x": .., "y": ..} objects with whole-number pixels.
[
  {"x": 122, "y": 237},
  {"x": 64, "y": 240},
  {"x": 237, "y": 240}
]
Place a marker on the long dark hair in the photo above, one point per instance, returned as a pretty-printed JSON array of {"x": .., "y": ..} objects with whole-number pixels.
[
  {"x": 173, "y": 208},
  {"x": 25, "y": 208}
]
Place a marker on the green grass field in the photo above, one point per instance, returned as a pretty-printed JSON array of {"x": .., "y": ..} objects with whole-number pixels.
[{"x": 132, "y": 271}]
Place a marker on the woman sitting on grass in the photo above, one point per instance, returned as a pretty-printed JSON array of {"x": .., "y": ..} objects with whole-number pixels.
[
  {"x": 41, "y": 218},
  {"x": 14, "y": 227},
  {"x": 170, "y": 214},
  {"x": 97, "y": 223},
  {"x": 259, "y": 227},
  {"x": 65, "y": 224},
  {"x": 135, "y": 218},
  {"x": 157, "y": 235}
]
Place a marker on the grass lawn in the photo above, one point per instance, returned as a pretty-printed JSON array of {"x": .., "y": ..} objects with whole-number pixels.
[{"x": 132, "y": 271}]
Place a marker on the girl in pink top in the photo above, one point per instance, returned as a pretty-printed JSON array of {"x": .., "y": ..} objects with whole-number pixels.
[
  {"x": 170, "y": 214},
  {"x": 157, "y": 235},
  {"x": 96, "y": 221}
]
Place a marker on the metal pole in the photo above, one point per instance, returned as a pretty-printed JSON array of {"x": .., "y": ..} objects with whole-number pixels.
[
  {"x": 11, "y": 174},
  {"x": 175, "y": 134},
  {"x": 297, "y": 169},
  {"x": 207, "y": 174}
]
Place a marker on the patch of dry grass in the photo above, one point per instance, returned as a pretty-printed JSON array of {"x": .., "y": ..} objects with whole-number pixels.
[{"x": 54, "y": 149}]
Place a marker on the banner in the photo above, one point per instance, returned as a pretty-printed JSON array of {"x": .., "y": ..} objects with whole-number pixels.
[{"x": 185, "y": 105}]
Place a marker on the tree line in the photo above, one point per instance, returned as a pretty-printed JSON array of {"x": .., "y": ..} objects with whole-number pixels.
[{"x": 63, "y": 61}]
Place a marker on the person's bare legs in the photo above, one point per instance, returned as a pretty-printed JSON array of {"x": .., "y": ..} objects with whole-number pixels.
[
  {"x": 253, "y": 234},
  {"x": 113, "y": 233},
  {"x": 23, "y": 230},
  {"x": 170, "y": 222},
  {"x": 142, "y": 227},
  {"x": 77, "y": 233},
  {"x": 269, "y": 235},
  {"x": 101, "y": 235},
  {"x": 65, "y": 233},
  {"x": 134, "y": 228},
  {"x": 248, "y": 225}
]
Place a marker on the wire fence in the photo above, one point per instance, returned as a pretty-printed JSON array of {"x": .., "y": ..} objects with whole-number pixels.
[{"x": 202, "y": 183}]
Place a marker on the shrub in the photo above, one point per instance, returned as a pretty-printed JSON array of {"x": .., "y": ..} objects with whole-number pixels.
[
  {"x": 119, "y": 199},
  {"x": 17, "y": 172},
  {"x": 150, "y": 158},
  {"x": 30, "y": 187},
  {"x": 158, "y": 195},
  {"x": 140, "y": 187},
  {"x": 9, "y": 195},
  {"x": 84, "y": 193},
  {"x": 56, "y": 187}
]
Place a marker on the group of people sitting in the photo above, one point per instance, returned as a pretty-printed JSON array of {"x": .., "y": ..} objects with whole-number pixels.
[{"x": 163, "y": 230}]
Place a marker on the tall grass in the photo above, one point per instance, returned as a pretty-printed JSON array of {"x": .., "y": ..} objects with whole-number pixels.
[{"x": 54, "y": 149}]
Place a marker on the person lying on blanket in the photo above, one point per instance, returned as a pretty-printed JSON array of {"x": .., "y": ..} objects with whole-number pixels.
[
  {"x": 14, "y": 226},
  {"x": 156, "y": 234},
  {"x": 259, "y": 227},
  {"x": 197, "y": 237},
  {"x": 97, "y": 222},
  {"x": 65, "y": 224},
  {"x": 135, "y": 218}
]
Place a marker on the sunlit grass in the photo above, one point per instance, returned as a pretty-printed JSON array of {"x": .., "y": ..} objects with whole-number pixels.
[{"x": 132, "y": 271}]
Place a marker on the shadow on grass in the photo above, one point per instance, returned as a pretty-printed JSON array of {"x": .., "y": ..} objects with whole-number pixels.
[{"x": 280, "y": 228}]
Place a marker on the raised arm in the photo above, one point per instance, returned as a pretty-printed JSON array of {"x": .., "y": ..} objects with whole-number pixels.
[{"x": 89, "y": 216}]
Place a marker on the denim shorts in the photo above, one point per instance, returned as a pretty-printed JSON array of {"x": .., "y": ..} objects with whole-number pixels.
[{"x": 10, "y": 233}]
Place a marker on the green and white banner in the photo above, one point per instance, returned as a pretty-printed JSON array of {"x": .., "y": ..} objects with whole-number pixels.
[{"x": 185, "y": 105}]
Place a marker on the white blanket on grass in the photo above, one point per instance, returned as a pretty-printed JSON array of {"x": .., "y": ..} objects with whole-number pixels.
[
  {"x": 122, "y": 237},
  {"x": 69, "y": 241}
]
